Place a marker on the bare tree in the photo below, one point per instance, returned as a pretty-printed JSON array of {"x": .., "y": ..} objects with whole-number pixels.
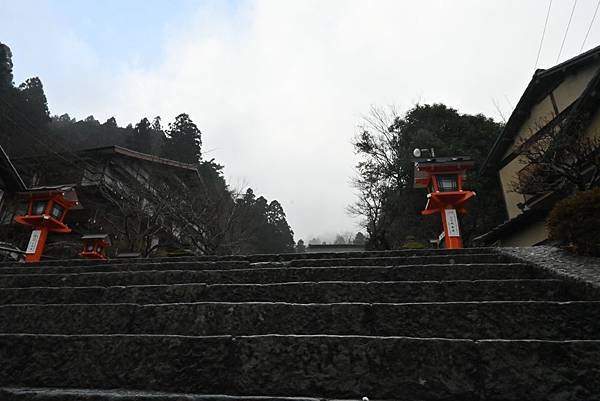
[
  {"x": 561, "y": 155},
  {"x": 214, "y": 221},
  {"x": 141, "y": 213},
  {"x": 385, "y": 172},
  {"x": 200, "y": 215},
  {"x": 376, "y": 172},
  {"x": 369, "y": 206}
]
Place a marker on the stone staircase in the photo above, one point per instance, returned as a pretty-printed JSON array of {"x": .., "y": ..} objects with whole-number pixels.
[{"x": 464, "y": 325}]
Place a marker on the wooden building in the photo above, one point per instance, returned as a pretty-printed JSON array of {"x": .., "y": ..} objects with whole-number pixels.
[
  {"x": 126, "y": 194},
  {"x": 555, "y": 100}
]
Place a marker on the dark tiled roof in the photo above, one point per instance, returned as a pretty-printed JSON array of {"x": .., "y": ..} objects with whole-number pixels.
[
  {"x": 141, "y": 156},
  {"x": 541, "y": 82},
  {"x": 510, "y": 226}
]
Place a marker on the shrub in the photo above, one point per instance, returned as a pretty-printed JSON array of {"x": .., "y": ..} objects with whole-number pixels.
[
  {"x": 575, "y": 221},
  {"x": 411, "y": 243}
]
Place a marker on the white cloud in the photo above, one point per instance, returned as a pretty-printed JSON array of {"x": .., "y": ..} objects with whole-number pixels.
[{"x": 278, "y": 87}]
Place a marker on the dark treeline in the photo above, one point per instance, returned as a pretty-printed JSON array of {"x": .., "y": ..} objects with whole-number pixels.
[
  {"x": 181, "y": 140},
  {"x": 231, "y": 221}
]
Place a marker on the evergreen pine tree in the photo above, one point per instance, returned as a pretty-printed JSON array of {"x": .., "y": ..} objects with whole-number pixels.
[
  {"x": 184, "y": 141},
  {"x": 141, "y": 138},
  {"x": 6, "y": 67}
]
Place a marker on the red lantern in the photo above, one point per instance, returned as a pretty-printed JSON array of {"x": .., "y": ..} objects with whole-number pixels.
[
  {"x": 46, "y": 211},
  {"x": 94, "y": 246},
  {"x": 443, "y": 177}
]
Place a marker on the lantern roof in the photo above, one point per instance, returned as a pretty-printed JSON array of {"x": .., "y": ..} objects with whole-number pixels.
[
  {"x": 104, "y": 238},
  {"x": 48, "y": 190},
  {"x": 425, "y": 167},
  {"x": 458, "y": 162},
  {"x": 66, "y": 191},
  {"x": 95, "y": 236}
]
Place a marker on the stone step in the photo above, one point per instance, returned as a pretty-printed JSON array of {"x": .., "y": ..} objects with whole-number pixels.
[
  {"x": 314, "y": 366},
  {"x": 150, "y": 264},
  {"x": 279, "y": 275},
  {"x": 475, "y": 320},
  {"x": 132, "y": 267},
  {"x": 306, "y": 292},
  {"x": 397, "y": 261},
  {"x": 62, "y": 394},
  {"x": 263, "y": 257}
]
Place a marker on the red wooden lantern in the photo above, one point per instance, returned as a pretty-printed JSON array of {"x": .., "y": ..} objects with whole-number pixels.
[
  {"x": 46, "y": 211},
  {"x": 94, "y": 246},
  {"x": 443, "y": 177}
]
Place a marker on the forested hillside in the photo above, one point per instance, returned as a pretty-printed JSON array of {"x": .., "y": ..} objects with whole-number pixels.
[{"x": 232, "y": 220}]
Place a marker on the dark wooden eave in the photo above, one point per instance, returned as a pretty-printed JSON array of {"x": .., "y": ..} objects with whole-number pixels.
[
  {"x": 511, "y": 226},
  {"x": 114, "y": 149}
]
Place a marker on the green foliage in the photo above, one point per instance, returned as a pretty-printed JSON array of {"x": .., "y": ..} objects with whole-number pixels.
[
  {"x": 339, "y": 240},
  {"x": 575, "y": 221},
  {"x": 88, "y": 133},
  {"x": 388, "y": 203},
  {"x": 35, "y": 104},
  {"x": 184, "y": 141},
  {"x": 141, "y": 137},
  {"x": 411, "y": 243},
  {"x": 279, "y": 236},
  {"x": 270, "y": 231},
  {"x": 212, "y": 218},
  {"x": 23, "y": 112},
  {"x": 300, "y": 247},
  {"x": 6, "y": 66},
  {"x": 359, "y": 239}
]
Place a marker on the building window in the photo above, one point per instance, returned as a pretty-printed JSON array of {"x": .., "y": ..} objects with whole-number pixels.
[
  {"x": 39, "y": 207},
  {"x": 57, "y": 211},
  {"x": 447, "y": 183}
]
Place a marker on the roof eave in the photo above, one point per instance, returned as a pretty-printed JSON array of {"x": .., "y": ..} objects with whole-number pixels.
[{"x": 523, "y": 108}]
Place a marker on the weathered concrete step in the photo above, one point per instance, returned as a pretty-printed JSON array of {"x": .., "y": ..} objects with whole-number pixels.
[
  {"x": 398, "y": 261},
  {"x": 279, "y": 275},
  {"x": 150, "y": 264},
  {"x": 306, "y": 292},
  {"x": 316, "y": 366},
  {"x": 261, "y": 258},
  {"x": 132, "y": 267},
  {"x": 62, "y": 394},
  {"x": 475, "y": 320}
]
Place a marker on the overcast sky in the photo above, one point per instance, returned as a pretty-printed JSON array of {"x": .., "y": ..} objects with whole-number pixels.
[{"x": 278, "y": 88}]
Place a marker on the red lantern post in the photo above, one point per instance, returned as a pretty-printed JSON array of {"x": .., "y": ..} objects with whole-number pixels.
[
  {"x": 46, "y": 211},
  {"x": 443, "y": 177}
]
